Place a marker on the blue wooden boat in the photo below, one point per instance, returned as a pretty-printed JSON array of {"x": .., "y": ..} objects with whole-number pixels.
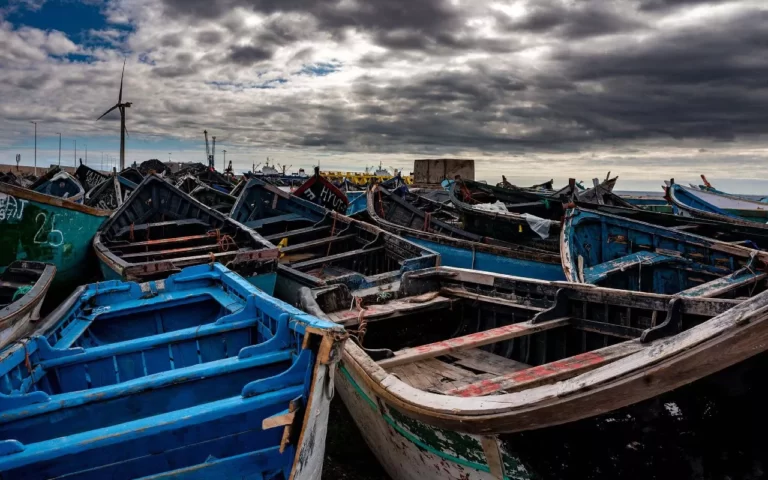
[
  {"x": 409, "y": 217},
  {"x": 160, "y": 230},
  {"x": 703, "y": 204},
  {"x": 319, "y": 247},
  {"x": 200, "y": 375},
  {"x": 216, "y": 199},
  {"x": 62, "y": 185},
  {"x": 616, "y": 252},
  {"x": 42, "y": 228}
]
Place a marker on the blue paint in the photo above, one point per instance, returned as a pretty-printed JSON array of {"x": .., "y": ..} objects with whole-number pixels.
[
  {"x": 626, "y": 254},
  {"x": 693, "y": 204},
  {"x": 167, "y": 379},
  {"x": 357, "y": 203},
  {"x": 451, "y": 256}
]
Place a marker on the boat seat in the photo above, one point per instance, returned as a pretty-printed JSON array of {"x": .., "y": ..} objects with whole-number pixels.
[
  {"x": 547, "y": 373},
  {"x": 293, "y": 233},
  {"x": 601, "y": 271},
  {"x": 288, "y": 217},
  {"x": 722, "y": 285},
  {"x": 332, "y": 258},
  {"x": 392, "y": 309},
  {"x": 317, "y": 243}
]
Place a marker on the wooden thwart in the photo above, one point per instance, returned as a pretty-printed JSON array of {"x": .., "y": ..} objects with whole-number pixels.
[
  {"x": 548, "y": 372},
  {"x": 500, "y": 334}
]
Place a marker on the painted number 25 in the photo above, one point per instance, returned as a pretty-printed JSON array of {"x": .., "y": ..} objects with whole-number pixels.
[{"x": 48, "y": 236}]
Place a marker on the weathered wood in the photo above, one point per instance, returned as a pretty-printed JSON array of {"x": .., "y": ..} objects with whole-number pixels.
[
  {"x": 472, "y": 340},
  {"x": 549, "y": 372},
  {"x": 461, "y": 293},
  {"x": 487, "y": 362}
]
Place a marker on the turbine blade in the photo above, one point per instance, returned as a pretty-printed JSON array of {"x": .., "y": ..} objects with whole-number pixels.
[
  {"x": 120, "y": 97},
  {"x": 102, "y": 116}
]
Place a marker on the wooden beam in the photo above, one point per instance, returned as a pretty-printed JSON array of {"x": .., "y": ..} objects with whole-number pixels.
[
  {"x": 472, "y": 340},
  {"x": 333, "y": 258},
  {"x": 461, "y": 293},
  {"x": 548, "y": 372},
  {"x": 317, "y": 243}
]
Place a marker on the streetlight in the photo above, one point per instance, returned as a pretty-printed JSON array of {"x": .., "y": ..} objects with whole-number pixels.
[
  {"x": 86, "y": 154},
  {"x": 75, "y": 153},
  {"x": 35, "y": 146},
  {"x": 59, "y": 149},
  {"x": 225, "y": 161},
  {"x": 169, "y": 157}
]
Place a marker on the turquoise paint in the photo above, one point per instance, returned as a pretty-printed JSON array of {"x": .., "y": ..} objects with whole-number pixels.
[
  {"x": 265, "y": 282},
  {"x": 48, "y": 233},
  {"x": 462, "y": 258}
]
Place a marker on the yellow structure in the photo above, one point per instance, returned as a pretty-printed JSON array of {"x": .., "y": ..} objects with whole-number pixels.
[{"x": 362, "y": 179}]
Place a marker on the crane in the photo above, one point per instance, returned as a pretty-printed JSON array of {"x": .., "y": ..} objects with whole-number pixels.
[
  {"x": 212, "y": 160},
  {"x": 283, "y": 167}
]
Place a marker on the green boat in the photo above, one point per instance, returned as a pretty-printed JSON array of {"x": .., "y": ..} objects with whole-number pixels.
[{"x": 42, "y": 228}]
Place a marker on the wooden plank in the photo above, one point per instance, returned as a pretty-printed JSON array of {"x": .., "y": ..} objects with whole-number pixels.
[
  {"x": 293, "y": 233},
  {"x": 338, "y": 256},
  {"x": 461, "y": 293},
  {"x": 725, "y": 284},
  {"x": 548, "y": 372},
  {"x": 487, "y": 362},
  {"x": 284, "y": 418},
  {"x": 390, "y": 309},
  {"x": 431, "y": 373},
  {"x": 494, "y": 335},
  {"x": 317, "y": 243}
]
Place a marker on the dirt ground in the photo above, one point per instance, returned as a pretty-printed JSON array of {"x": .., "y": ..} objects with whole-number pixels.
[{"x": 347, "y": 456}]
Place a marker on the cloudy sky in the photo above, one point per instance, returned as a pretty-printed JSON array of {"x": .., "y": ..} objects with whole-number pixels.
[{"x": 535, "y": 89}]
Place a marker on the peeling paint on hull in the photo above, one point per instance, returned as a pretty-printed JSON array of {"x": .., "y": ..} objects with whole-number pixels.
[{"x": 412, "y": 450}]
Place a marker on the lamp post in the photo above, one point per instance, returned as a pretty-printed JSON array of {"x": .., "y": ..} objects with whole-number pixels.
[
  {"x": 35, "y": 147},
  {"x": 225, "y": 161},
  {"x": 59, "y": 149},
  {"x": 169, "y": 157},
  {"x": 75, "y": 153}
]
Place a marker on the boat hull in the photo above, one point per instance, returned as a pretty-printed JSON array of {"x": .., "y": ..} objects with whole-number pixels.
[
  {"x": 451, "y": 256},
  {"x": 672, "y": 436},
  {"x": 46, "y": 229}
]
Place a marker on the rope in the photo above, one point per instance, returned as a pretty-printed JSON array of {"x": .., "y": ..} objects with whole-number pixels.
[
  {"x": 381, "y": 204},
  {"x": 223, "y": 241},
  {"x": 362, "y": 323},
  {"x": 330, "y": 242},
  {"x": 27, "y": 362},
  {"x": 21, "y": 292}
]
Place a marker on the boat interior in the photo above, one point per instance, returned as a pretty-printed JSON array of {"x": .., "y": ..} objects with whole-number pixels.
[
  {"x": 200, "y": 361},
  {"x": 17, "y": 279},
  {"x": 457, "y": 332},
  {"x": 615, "y": 253},
  {"x": 320, "y": 244}
]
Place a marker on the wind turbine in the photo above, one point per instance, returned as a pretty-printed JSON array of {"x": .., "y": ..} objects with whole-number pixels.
[{"x": 120, "y": 106}]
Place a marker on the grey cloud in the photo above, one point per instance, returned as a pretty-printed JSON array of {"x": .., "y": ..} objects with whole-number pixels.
[
  {"x": 209, "y": 37},
  {"x": 248, "y": 55}
]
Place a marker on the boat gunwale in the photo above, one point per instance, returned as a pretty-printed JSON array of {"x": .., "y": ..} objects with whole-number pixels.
[
  {"x": 697, "y": 212},
  {"x": 38, "y": 197},
  {"x": 30, "y": 299}
]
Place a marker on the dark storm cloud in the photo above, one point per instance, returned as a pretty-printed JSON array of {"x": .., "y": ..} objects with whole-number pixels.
[
  {"x": 248, "y": 55},
  {"x": 581, "y": 19}
]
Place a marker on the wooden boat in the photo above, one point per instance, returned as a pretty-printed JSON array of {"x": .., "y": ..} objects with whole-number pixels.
[
  {"x": 616, "y": 252},
  {"x": 703, "y": 204},
  {"x": 406, "y": 216},
  {"x": 216, "y": 199},
  {"x": 322, "y": 192},
  {"x": 42, "y": 228},
  {"x": 88, "y": 177},
  {"x": 132, "y": 175},
  {"x": 748, "y": 235},
  {"x": 160, "y": 230},
  {"x": 464, "y": 374},
  {"x": 649, "y": 203},
  {"x": 198, "y": 376},
  {"x": 111, "y": 193},
  {"x": 547, "y": 186},
  {"x": 320, "y": 247},
  {"x": 23, "y": 286},
  {"x": 62, "y": 185}
]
